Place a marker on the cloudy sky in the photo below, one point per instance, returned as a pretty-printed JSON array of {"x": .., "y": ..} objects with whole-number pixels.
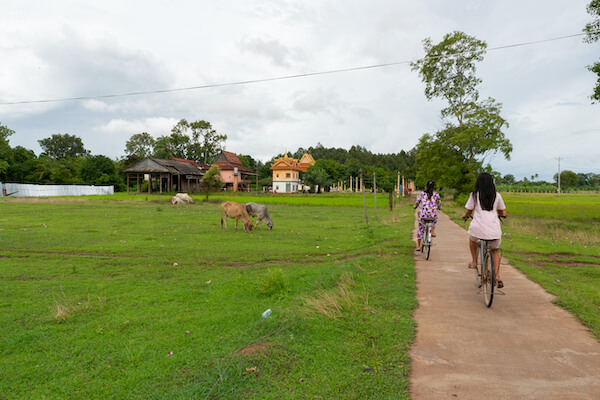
[{"x": 71, "y": 49}]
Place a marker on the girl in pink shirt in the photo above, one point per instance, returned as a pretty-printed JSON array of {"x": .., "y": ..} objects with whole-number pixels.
[{"x": 485, "y": 205}]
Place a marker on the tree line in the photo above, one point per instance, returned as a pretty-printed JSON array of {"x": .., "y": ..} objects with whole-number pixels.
[{"x": 65, "y": 160}]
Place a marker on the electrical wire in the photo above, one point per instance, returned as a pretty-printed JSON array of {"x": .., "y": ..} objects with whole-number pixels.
[{"x": 281, "y": 78}]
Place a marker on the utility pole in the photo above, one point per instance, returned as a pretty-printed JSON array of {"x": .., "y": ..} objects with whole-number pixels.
[
  {"x": 363, "y": 195},
  {"x": 375, "y": 194},
  {"x": 558, "y": 158}
]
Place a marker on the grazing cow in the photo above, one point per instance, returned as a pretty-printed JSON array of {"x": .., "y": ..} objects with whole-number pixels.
[
  {"x": 181, "y": 198},
  {"x": 260, "y": 212},
  {"x": 235, "y": 210}
]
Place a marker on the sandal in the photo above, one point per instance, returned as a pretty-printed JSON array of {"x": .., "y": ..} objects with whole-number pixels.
[
  {"x": 470, "y": 266},
  {"x": 500, "y": 284}
]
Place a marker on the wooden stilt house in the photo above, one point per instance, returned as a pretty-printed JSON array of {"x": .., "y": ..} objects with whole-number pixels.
[{"x": 175, "y": 174}]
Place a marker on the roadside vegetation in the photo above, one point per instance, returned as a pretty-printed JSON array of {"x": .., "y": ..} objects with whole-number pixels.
[
  {"x": 555, "y": 241},
  {"x": 130, "y": 297}
]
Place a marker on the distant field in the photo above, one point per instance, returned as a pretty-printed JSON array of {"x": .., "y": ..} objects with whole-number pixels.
[
  {"x": 556, "y": 242},
  {"x": 128, "y": 297}
]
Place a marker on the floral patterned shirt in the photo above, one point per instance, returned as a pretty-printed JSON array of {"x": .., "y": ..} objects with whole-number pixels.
[{"x": 429, "y": 206}]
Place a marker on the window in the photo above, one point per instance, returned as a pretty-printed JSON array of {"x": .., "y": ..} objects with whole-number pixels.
[{"x": 287, "y": 175}]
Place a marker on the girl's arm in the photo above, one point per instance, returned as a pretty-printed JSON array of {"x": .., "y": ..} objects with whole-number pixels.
[
  {"x": 418, "y": 201},
  {"x": 467, "y": 215}
]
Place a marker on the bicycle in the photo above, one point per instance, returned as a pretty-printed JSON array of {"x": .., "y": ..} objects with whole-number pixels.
[
  {"x": 485, "y": 276},
  {"x": 426, "y": 239}
]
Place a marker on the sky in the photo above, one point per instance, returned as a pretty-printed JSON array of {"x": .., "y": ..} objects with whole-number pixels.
[{"x": 88, "y": 49}]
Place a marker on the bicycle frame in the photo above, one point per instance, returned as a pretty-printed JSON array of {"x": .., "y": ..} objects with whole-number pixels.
[
  {"x": 426, "y": 237},
  {"x": 487, "y": 272}
]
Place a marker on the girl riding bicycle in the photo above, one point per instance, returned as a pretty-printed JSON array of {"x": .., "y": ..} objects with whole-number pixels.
[
  {"x": 430, "y": 202},
  {"x": 485, "y": 205}
]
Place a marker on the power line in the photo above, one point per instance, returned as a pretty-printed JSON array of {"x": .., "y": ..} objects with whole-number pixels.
[{"x": 281, "y": 78}]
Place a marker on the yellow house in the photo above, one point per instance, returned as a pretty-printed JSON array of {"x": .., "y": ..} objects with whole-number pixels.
[{"x": 286, "y": 173}]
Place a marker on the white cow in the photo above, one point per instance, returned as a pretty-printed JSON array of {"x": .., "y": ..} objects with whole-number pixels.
[
  {"x": 181, "y": 198},
  {"x": 260, "y": 212}
]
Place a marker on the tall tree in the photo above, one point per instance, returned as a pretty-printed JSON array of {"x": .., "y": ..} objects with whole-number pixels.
[
  {"x": 140, "y": 145},
  {"x": 473, "y": 128},
  {"x": 63, "y": 146},
  {"x": 592, "y": 31},
  {"x": 5, "y": 150},
  {"x": 208, "y": 143}
]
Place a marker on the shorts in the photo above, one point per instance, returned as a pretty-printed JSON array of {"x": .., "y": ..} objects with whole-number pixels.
[{"x": 492, "y": 244}]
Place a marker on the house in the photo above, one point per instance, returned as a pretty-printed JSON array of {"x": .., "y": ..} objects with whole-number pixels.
[
  {"x": 286, "y": 173},
  {"x": 234, "y": 174},
  {"x": 175, "y": 174}
]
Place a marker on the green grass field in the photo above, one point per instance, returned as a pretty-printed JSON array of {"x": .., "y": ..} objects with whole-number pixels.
[
  {"x": 127, "y": 297},
  {"x": 556, "y": 242}
]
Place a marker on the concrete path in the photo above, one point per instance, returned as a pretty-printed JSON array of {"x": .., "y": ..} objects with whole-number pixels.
[{"x": 523, "y": 347}]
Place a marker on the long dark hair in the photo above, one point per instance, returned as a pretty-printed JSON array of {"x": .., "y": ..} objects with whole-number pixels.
[
  {"x": 485, "y": 191},
  {"x": 429, "y": 189}
]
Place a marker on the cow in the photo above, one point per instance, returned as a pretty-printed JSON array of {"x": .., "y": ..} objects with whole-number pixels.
[
  {"x": 235, "y": 210},
  {"x": 181, "y": 198},
  {"x": 260, "y": 212}
]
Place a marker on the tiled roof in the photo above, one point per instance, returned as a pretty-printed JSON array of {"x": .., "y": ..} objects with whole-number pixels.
[
  {"x": 172, "y": 166},
  {"x": 228, "y": 161}
]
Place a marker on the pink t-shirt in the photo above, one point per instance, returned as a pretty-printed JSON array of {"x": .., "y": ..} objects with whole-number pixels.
[{"x": 485, "y": 224}]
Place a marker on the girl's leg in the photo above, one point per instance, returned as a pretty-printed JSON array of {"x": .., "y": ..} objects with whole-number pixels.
[
  {"x": 496, "y": 256},
  {"x": 473, "y": 249}
]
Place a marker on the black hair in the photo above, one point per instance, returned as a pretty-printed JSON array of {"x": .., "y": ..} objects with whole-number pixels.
[
  {"x": 485, "y": 191},
  {"x": 429, "y": 189}
]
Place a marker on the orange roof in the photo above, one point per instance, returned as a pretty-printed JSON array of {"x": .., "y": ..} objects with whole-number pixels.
[
  {"x": 306, "y": 161},
  {"x": 228, "y": 161},
  {"x": 285, "y": 162}
]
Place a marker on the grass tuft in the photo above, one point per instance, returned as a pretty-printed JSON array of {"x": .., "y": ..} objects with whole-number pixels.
[{"x": 334, "y": 302}]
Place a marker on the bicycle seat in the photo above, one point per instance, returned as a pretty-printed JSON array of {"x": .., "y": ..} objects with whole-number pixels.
[{"x": 428, "y": 219}]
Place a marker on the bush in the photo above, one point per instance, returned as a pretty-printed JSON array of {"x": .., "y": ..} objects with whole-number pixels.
[{"x": 273, "y": 282}]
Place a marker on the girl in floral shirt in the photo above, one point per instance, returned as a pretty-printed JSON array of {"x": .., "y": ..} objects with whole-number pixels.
[{"x": 429, "y": 202}]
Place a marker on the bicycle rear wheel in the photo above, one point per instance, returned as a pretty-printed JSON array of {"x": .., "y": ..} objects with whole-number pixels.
[{"x": 488, "y": 279}]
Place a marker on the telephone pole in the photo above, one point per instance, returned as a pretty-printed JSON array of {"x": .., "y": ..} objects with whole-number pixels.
[{"x": 558, "y": 158}]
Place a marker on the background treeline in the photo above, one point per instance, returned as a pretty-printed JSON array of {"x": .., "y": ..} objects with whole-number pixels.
[
  {"x": 65, "y": 160},
  {"x": 569, "y": 182}
]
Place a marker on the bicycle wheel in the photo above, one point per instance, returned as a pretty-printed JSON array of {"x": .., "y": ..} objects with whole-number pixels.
[
  {"x": 428, "y": 251},
  {"x": 489, "y": 278},
  {"x": 478, "y": 271}
]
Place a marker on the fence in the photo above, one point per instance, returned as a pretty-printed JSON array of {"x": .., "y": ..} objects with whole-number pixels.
[{"x": 33, "y": 190}]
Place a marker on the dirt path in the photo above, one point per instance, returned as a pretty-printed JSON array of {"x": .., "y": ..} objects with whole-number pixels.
[{"x": 523, "y": 347}]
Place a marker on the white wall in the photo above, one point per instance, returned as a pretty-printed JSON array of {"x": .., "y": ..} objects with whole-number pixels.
[{"x": 33, "y": 190}]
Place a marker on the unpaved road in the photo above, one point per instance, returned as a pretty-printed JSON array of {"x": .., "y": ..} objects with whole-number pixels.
[{"x": 523, "y": 347}]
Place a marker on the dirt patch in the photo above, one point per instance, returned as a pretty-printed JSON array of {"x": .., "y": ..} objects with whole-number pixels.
[
  {"x": 254, "y": 349},
  {"x": 541, "y": 260}
]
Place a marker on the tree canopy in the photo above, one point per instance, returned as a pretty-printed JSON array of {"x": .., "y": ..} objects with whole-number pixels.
[
  {"x": 61, "y": 146},
  {"x": 592, "y": 30},
  {"x": 472, "y": 128}
]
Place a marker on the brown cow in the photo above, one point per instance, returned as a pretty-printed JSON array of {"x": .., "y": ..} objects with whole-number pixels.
[{"x": 235, "y": 210}]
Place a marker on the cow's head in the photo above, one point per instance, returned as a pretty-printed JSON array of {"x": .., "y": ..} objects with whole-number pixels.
[
  {"x": 270, "y": 225},
  {"x": 248, "y": 226}
]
